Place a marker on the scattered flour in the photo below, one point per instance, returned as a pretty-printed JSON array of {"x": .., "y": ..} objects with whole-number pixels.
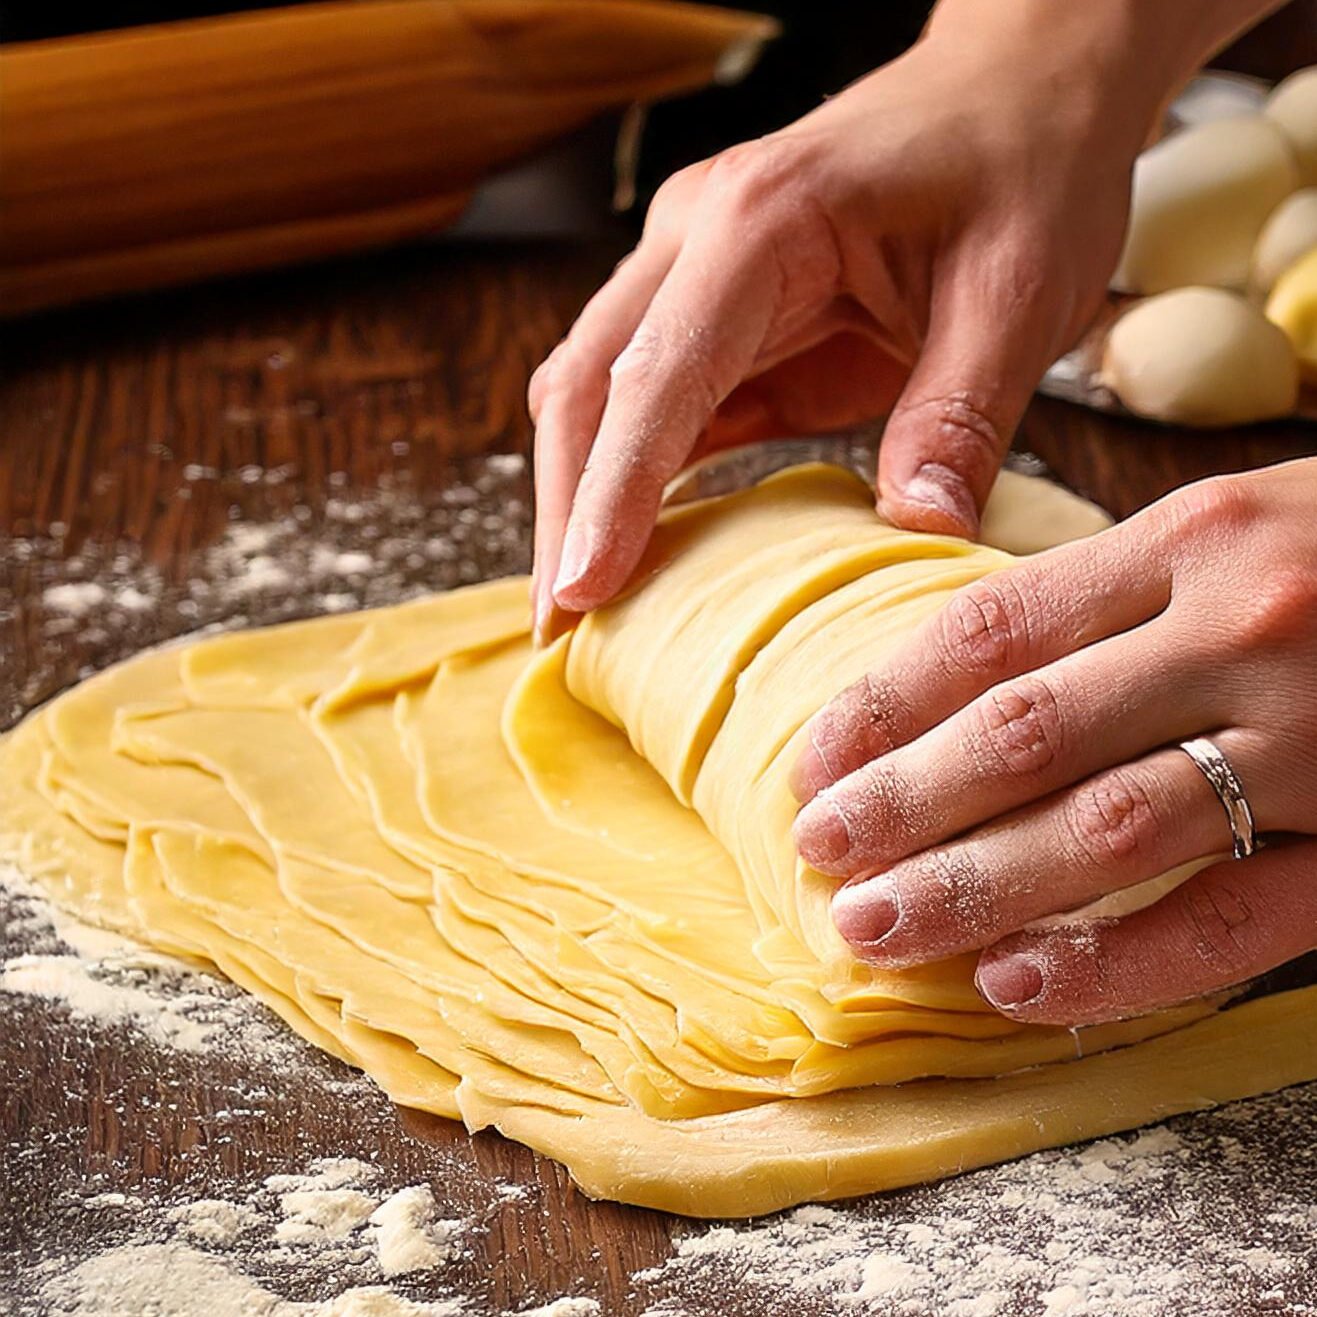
[
  {"x": 74, "y": 597},
  {"x": 172, "y": 1280},
  {"x": 1070, "y": 1233},
  {"x": 285, "y": 553},
  {"x": 100, "y": 1202},
  {"x": 207, "y": 1256},
  {"x": 133, "y": 599},
  {"x": 566, "y": 1307},
  {"x": 262, "y": 573},
  {"x": 170, "y": 1021},
  {"x": 408, "y": 1234},
  {"x": 213, "y": 1221},
  {"x": 109, "y": 981},
  {"x": 312, "y": 1213},
  {"x": 249, "y": 540},
  {"x": 326, "y": 561},
  {"x": 325, "y": 1173}
]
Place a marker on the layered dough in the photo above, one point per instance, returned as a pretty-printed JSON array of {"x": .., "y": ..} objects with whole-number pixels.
[{"x": 555, "y": 893}]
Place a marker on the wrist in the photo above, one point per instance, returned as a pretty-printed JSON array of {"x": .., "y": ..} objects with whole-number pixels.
[{"x": 1109, "y": 66}]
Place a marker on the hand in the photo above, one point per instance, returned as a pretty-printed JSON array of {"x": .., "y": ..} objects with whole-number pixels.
[
  {"x": 1011, "y": 762},
  {"x": 926, "y": 243}
]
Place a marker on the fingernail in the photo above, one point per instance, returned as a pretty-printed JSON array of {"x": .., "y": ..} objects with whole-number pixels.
[
  {"x": 809, "y": 775},
  {"x": 575, "y": 561},
  {"x": 940, "y": 488},
  {"x": 822, "y": 836},
  {"x": 866, "y": 912},
  {"x": 541, "y": 609},
  {"x": 1009, "y": 982}
]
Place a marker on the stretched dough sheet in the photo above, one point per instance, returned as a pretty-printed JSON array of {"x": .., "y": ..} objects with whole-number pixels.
[{"x": 555, "y": 893}]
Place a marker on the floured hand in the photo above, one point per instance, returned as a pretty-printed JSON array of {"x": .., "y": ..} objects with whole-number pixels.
[{"x": 1016, "y": 760}]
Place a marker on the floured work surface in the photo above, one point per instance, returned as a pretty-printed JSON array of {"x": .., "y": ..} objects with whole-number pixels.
[{"x": 442, "y": 859}]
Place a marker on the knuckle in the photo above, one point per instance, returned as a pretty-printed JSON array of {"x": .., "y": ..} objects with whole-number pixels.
[
  {"x": 985, "y": 627},
  {"x": 967, "y": 437},
  {"x": 674, "y": 195},
  {"x": 1216, "y": 913},
  {"x": 1021, "y": 728},
  {"x": 545, "y": 376},
  {"x": 641, "y": 354},
  {"x": 1212, "y": 507},
  {"x": 566, "y": 379},
  {"x": 756, "y": 175},
  {"x": 742, "y": 171},
  {"x": 1280, "y": 610},
  {"x": 1030, "y": 283},
  {"x": 1111, "y": 820}
]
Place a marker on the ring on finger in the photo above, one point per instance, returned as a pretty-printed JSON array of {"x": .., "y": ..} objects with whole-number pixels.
[{"x": 1221, "y": 776}]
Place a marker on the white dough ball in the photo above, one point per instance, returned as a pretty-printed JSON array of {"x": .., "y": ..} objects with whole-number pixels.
[
  {"x": 1290, "y": 232},
  {"x": 1200, "y": 200},
  {"x": 1293, "y": 105},
  {"x": 1202, "y": 357}
]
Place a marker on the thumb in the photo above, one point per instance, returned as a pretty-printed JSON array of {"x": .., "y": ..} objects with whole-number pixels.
[{"x": 953, "y": 423}]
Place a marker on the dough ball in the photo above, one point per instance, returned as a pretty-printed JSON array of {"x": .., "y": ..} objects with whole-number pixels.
[
  {"x": 1290, "y": 232},
  {"x": 1201, "y": 356},
  {"x": 1293, "y": 307},
  {"x": 1200, "y": 200},
  {"x": 1293, "y": 105}
]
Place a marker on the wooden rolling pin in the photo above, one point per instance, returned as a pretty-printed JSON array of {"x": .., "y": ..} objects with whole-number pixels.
[{"x": 158, "y": 155}]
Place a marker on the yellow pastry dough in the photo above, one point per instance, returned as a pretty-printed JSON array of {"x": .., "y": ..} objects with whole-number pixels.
[{"x": 555, "y": 893}]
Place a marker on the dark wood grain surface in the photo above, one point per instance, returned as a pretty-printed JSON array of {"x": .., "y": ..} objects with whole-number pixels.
[{"x": 341, "y": 380}]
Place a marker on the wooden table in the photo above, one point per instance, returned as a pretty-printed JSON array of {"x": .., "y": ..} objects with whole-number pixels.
[{"x": 142, "y": 429}]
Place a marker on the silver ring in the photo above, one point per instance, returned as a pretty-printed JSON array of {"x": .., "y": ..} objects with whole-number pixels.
[{"x": 1223, "y": 779}]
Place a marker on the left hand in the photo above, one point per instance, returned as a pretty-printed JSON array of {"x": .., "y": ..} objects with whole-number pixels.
[{"x": 1016, "y": 760}]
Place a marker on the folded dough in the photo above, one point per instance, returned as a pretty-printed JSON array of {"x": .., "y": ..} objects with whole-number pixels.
[{"x": 555, "y": 893}]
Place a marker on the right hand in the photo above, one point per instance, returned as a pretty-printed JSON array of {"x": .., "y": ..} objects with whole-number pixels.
[{"x": 927, "y": 242}]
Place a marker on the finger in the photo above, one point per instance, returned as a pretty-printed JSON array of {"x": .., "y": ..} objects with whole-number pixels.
[
  {"x": 1122, "y": 827},
  {"x": 664, "y": 225},
  {"x": 1004, "y": 625},
  {"x": 982, "y": 358},
  {"x": 567, "y": 396},
  {"x": 831, "y": 384},
  {"x": 1025, "y": 738},
  {"x": 697, "y": 341},
  {"x": 1227, "y": 924}
]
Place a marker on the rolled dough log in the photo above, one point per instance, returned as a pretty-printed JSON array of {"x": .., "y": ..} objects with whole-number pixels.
[
  {"x": 1200, "y": 356},
  {"x": 440, "y": 857}
]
